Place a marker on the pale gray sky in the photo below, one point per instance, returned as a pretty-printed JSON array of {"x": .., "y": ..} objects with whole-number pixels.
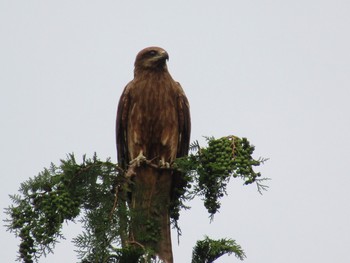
[{"x": 277, "y": 72}]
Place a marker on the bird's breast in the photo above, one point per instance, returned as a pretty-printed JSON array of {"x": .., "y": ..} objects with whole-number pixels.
[{"x": 153, "y": 112}]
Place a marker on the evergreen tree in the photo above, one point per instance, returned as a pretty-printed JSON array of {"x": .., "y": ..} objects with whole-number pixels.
[{"x": 96, "y": 193}]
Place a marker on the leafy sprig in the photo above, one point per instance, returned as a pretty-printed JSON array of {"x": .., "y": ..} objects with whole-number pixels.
[{"x": 208, "y": 250}]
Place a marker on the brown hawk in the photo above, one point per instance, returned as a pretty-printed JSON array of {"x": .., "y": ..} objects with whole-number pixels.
[{"x": 153, "y": 124}]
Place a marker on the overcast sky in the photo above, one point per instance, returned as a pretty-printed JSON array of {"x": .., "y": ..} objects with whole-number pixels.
[{"x": 276, "y": 72}]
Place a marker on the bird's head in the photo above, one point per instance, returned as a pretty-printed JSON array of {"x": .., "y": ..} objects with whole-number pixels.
[{"x": 151, "y": 58}]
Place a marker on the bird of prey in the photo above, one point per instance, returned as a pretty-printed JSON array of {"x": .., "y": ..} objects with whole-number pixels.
[{"x": 153, "y": 127}]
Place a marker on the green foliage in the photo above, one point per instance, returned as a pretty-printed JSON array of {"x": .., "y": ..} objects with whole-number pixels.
[
  {"x": 208, "y": 250},
  {"x": 60, "y": 194},
  {"x": 130, "y": 254},
  {"x": 95, "y": 193},
  {"x": 182, "y": 194},
  {"x": 213, "y": 166}
]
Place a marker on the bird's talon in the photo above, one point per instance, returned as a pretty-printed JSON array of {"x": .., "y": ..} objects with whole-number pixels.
[
  {"x": 138, "y": 160},
  {"x": 163, "y": 164}
]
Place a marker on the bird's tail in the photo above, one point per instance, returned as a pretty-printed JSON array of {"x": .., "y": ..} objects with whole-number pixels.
[{"x": 150, "y": 218}]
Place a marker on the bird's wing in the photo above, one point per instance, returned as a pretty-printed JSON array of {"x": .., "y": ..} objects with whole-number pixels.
[
  {"x": 184, "y": 123},
  {"x": 121, "y": 127}
]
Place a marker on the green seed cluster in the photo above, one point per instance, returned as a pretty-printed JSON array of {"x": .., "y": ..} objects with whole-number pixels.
[
  {"x": 215, "y": 169},
  {"x": 243, "y": 162},
  {"x": 223, "y": 158}
]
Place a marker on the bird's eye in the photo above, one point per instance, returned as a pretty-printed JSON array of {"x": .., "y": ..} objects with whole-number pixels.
[{"x": 153, "y": 52}]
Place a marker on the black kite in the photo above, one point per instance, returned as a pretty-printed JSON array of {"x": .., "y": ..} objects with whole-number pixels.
[{"x": 153, "y": 123}]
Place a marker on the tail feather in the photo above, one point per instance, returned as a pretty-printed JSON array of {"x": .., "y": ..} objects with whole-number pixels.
[{"x": 150, "y": 202}]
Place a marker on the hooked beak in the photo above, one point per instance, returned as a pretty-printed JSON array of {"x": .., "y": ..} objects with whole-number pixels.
[{"x": 164, "y": 55}]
